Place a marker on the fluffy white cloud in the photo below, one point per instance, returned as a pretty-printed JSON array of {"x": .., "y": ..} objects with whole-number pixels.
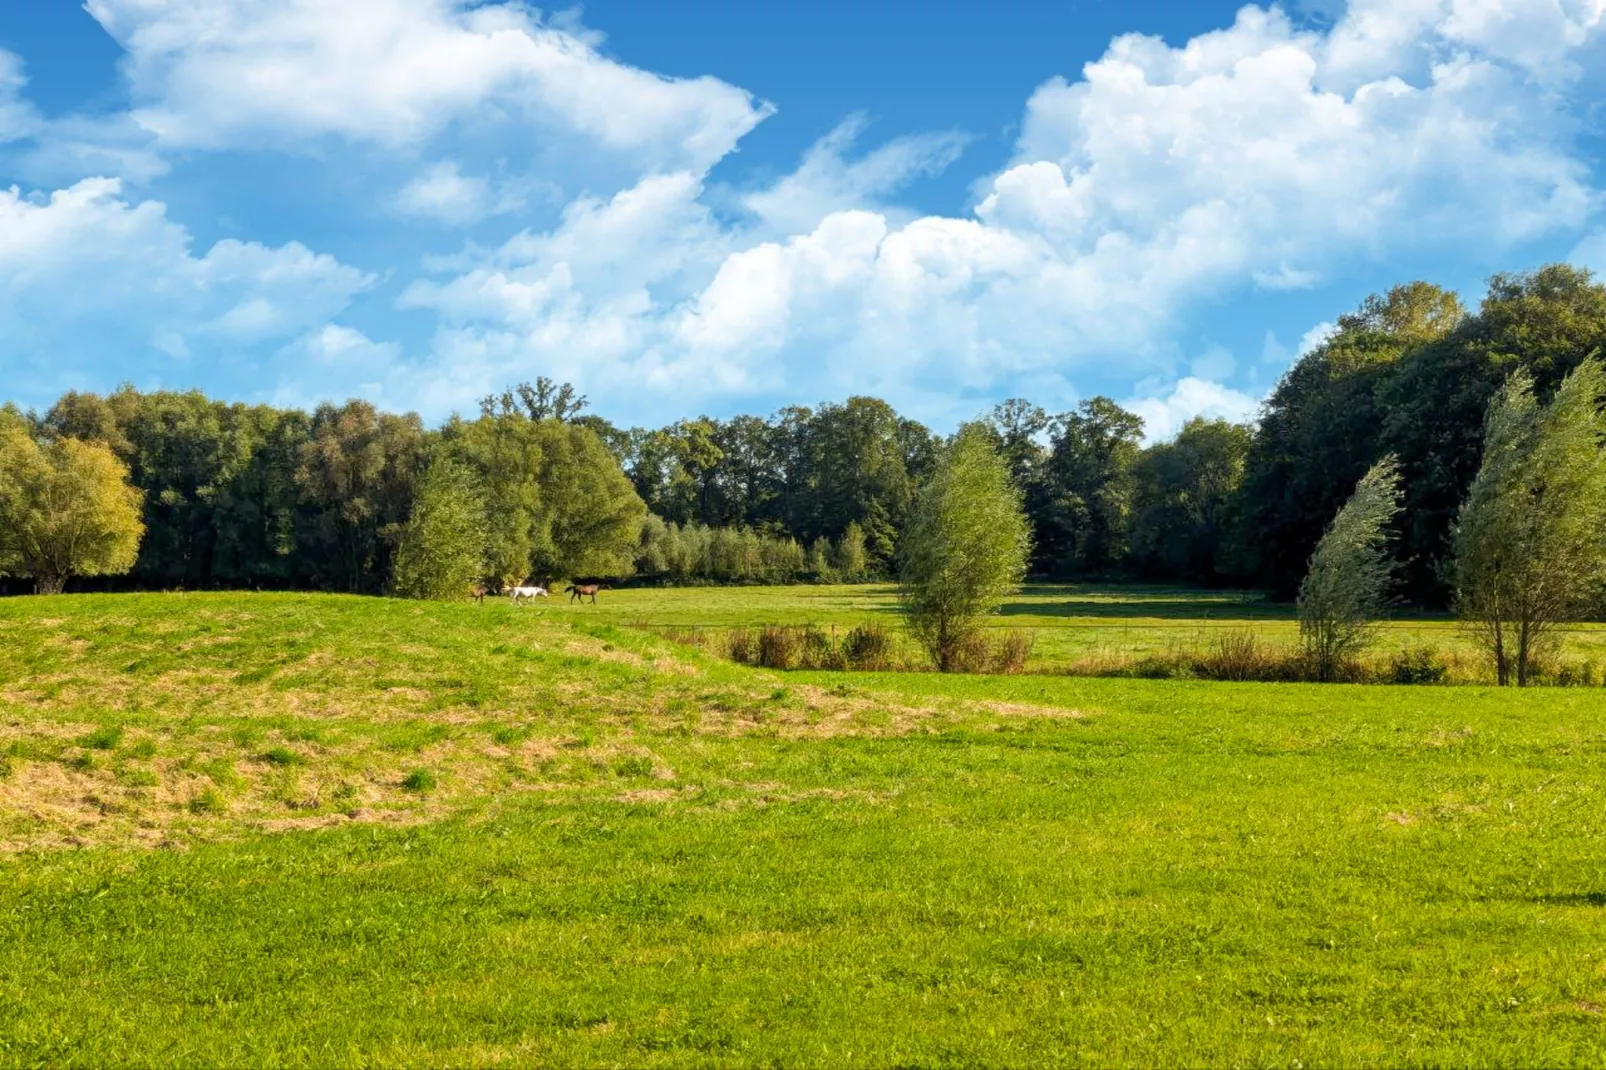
[
  {"x": 227, "y": 73},
  {"x": 1263, "y": 156},
  {"x": 88, "y": 277},
  {"x": 1260, "y": 155},
  {"x": 1197, "y": 167},
  {"x": 1163, "y": 417}
]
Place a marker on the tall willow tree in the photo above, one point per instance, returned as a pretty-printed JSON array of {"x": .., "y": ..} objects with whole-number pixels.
[
  {"x": 66, "y": 509},
  {"x": 1530, "y": 541},
  {"x": 966, "y": 545},
  {"x": 442, "y": 548},
  {"x": 1346, "y": 590}
]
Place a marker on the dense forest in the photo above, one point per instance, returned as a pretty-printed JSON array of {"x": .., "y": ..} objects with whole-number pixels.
[{"x": 255, "y": 496}]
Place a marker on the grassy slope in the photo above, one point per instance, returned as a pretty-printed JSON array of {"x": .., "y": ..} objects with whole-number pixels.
[
  {"x": 637, "y": 856},
  {"x": 1067, "y": 622}
]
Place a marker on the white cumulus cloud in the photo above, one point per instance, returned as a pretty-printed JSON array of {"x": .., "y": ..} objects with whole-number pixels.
[
  {"x": 1164, "y": 416},
  {"x": 88, "y": 277},
  {"x": 231, "y": 73}
]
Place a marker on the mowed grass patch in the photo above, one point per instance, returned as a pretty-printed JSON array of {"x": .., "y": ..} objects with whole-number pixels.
[
  {"x": 286, "y": 711},
  {"x": 964, "y": 870}
]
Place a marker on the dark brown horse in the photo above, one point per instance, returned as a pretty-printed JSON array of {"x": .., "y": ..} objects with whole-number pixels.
[
  {"x": 478, "y": 592},
  {"x": 579, "y": 591}
]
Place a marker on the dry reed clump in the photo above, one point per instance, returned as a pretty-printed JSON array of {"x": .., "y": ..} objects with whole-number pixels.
[
  {"x": 1238, "y": 655},
  {"x": 741, "y": 647},
  {"x": 778, "y": 648},
  {"x": 869, "y": 647},
  {"x": 1010, "y": 652}
]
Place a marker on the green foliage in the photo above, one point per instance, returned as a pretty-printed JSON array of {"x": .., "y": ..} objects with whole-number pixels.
[
  {"x": 1323, "y": 427},
  {"x": 557, "y": 504},
  {"x": 1348, "y": 586},
  {"x": 849, "y": 558},
  {"x": 1531, "y": 539},
  {"x": 66, "y": 509},
  {"x": 819, "y": 561},
  {"x": 1184, "y": 498},
  {"x": 442, "y": 549},
  {"x": 694, "y": 553},
  {"x": 358, "y": 468},
  {"x": 1084, "y": 514},
  {"x": 966, "y": 546}
]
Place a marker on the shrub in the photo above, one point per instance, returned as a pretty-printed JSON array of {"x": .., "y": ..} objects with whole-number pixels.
[
  {"x": 1010, "y": 652},
  {"x": 420, "y": 780},
  {"x": 1239, "y": 654},
  {"x": 819, "y": 650},
  {"x": 741, "y": 647},
  {"x": 1418, "y": 665},
  {"x": 778, "y": 648},
  {"x": 1577, "y": 674},
  {"x": 968, "y": 653},
  {"x": 868, "y": 647}
]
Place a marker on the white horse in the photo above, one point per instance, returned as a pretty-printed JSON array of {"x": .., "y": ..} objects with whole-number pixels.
[{"x": 532, "y": 593}]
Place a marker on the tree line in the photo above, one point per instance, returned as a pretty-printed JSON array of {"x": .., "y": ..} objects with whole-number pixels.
[{"x": 239, "y": 495}]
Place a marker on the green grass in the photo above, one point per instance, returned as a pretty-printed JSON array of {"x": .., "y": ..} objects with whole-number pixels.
[
  {"x": 635, "y": 855},
  {"x": 1068, "y": 623}
]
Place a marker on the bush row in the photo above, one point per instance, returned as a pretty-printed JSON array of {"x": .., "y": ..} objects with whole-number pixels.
[{"x": 867, "y": 647}]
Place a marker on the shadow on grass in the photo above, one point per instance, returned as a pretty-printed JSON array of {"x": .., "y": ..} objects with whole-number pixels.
[
  {"x": 1570, "y": 899},
  {"x": 1133, "y": 602}
]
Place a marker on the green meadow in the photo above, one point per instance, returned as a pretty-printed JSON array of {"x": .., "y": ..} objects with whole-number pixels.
[
  {"x": 1069, "y": 624},
  {"x": 322, "y": 830}
]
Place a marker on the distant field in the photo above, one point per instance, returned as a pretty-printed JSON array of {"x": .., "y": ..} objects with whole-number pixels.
[
  {"x": 312, "y": 830},
  {"x": 1067, "y": 622}
]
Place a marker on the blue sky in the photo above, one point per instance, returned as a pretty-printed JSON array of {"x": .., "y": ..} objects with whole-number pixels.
[{"x": 715, "y": 207}]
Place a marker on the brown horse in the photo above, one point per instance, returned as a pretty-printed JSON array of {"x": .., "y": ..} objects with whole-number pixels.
[
  {"x": 478, "y": 592},
  {"x": 576, "y": 592}
]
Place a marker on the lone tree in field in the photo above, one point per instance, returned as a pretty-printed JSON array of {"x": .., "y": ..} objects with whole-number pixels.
[
  {"x": 965, "y": 547},
  {"x": 442, "y": 548},
  {"x": 66, "y": 509},
  {"x": 851, "y": 558},
  {"x": 1346, "y": 590},
  {"x": 1530, "y": 542}
]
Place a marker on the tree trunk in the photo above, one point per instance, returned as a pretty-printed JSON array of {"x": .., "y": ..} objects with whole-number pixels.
[
  {"x": 49, "y": 584},
  {"x": 1524, "y": 654}
]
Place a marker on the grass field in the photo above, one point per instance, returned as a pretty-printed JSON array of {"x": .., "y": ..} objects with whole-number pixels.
[
  {"x": 1068, "y": 624},
  {"x": 312, "y": 830}
]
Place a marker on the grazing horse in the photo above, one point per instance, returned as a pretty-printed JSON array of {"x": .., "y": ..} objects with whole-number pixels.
[
  {"x": 531, "y": 593},
  {"x": 577, "y": 592}
]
